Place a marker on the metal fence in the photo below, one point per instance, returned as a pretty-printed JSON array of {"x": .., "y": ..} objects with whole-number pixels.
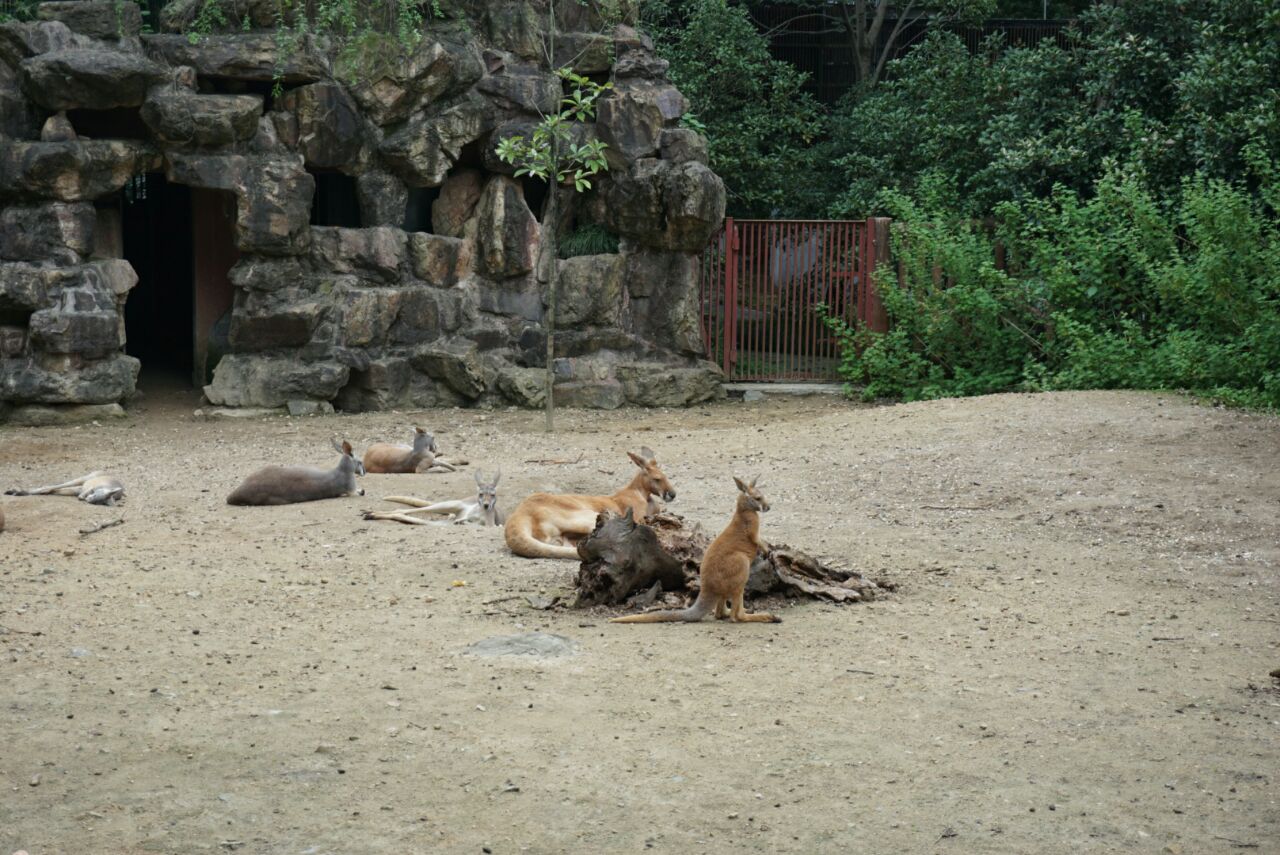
[{"x": 762, "y": 282}]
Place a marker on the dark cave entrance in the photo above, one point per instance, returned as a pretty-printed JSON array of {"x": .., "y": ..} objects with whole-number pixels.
[{"x": 181, "y": 243}]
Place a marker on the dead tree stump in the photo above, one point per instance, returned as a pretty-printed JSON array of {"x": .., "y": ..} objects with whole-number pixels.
[{"x": 622, "y": 559}]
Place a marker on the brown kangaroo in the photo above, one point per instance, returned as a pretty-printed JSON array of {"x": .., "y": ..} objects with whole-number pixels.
[
  {"x": 544, "y": 518},
  {"x": 725, "y": 567},
  {"x": 286, "y": 485},
  {"x": 385, "y": 457}
]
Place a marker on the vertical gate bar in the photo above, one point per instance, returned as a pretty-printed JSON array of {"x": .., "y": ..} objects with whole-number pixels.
[
  {"x": 730, "y": 295},
  {"x": 759, "y": 268},
  {"x": 797, "y": 299},
  {"x": 778, "y": 300},
  {"x": 802, "y": 304},
  {"x": 816, "y": 291},
  {"x": 797, "y": 303},
  {"x": 771, "y": 298},
  {"x": 753, "y": 298},
  {"x": 820, "y": 361},
  {"x": 760, "y": 295},
  {"x": 788, "y": 329},
  {"x": 864, "y": 253},
  {"x": 750, "y": 262}
]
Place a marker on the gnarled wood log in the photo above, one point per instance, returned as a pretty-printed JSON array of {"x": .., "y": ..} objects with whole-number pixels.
[{"x": 622, "y": 559}]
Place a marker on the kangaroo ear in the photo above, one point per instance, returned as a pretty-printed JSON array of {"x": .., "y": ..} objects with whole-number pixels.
[
  {"x": 755, "y": 480},
  {"x": 741, "y": 486},
  {"x": 497, "y": 478},
  {"x": 346, "y": 448},
  {"x": 637, "y": 460},
  {"x": 479, "y": 480},
  {"x": 630, "y": 516},
  {"x": 336, "y": 446},
  {"x": 647, "y": 453}
]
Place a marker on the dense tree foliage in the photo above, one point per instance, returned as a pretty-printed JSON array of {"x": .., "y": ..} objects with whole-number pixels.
[
  {"x": 1171, "y": 95},
  {"x": 1130, "y": 179},
  {"x": 760, "y": 125}
]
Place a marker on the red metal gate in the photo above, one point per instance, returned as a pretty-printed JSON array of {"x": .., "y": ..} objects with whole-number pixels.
[{"x": 761, "y": 282}]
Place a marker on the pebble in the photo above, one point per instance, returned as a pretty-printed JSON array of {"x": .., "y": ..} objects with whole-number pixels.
[{"x": 35, "y": 780}]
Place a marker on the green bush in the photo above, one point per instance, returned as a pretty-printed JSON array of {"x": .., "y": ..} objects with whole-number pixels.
[{"x": 1114, "y": 290}]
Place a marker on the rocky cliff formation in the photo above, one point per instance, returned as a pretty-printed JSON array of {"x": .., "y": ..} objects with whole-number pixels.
[{"x": 427, "y": 294}]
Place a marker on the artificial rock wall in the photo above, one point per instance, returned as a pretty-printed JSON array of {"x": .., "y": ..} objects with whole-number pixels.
[{"x": 374, "y": 317}]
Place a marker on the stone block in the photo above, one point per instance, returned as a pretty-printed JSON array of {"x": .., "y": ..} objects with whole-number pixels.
[
  {"x": 99, "y": 19},
  {"x": 96, "y": 79}
]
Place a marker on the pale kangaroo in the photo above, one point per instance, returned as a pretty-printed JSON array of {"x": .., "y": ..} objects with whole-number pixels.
[
  {"x": 286, "y": 485},
  {"x": 94, "y": 488},
  {"x": 542, "y": 519},
  {"x": 483, "y": 509},
  {"x": 382, "y": 457},
  {"x": 725, "y": 567}
]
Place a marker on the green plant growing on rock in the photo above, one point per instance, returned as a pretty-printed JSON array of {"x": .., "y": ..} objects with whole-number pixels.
[
  {"x": 353, "y": 27},
  {"x": 552, "y": 154}
]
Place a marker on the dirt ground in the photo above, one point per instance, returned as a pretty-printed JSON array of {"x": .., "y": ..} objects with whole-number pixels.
[{"x": 1076, "y": 659}]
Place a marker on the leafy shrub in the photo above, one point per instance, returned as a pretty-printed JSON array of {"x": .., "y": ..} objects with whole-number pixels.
[{"x": 1116, "y": 290}]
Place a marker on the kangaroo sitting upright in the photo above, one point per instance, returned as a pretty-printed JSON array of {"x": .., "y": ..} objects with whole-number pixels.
[
  {"x": 725, "y": 567},
  {"x": 94, "y": 488},
  {"x": 421, "y": 456},
  {"x": 544, "y": 518},
  {"x": 482, "y": 509},
  {"x": 285, "y": 485}
]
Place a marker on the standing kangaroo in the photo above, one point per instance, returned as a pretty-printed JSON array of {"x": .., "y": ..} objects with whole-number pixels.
[
  {"x": 285, "y": 485},
  {"x": 543, "y": 518},
  {"x": 482, "y": 509},
  {"x": 384, "y": 457},
  {"x": 725, "y": 567},
  {"x": 94, "y": 488}
]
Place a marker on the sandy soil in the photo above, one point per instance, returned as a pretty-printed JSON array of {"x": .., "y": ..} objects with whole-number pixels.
[{"x": 1076, "y": 661}]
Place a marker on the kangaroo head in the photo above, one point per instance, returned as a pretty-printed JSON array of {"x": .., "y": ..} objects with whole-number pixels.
[
  {"x": 423, "y": 441},
  {"x": 349, "y": 460},
  {"x": 751, "y": 499},
  {"x": 655, "y": 482},
  {"x": 487, "y": 491}
]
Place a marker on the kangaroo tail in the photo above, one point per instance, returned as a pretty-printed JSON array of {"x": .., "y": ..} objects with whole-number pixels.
[
  {"x": 693, "y": 614},
  {"x": 520, "y": 539}
]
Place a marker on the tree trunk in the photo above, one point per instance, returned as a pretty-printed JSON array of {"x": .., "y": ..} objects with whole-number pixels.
[
  {"x": 548, "y": 246},
  {"x": 623, "y": 560}
]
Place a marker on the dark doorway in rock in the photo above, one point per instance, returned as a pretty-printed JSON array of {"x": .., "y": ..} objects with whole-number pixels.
[
  {"x": 155, "y": 221},
  {"x": 181, "y": 243},
  {"x": 335, "y": 202},
  {"x": 417, "y": 210},
  {"x": 535, "y": 195}
]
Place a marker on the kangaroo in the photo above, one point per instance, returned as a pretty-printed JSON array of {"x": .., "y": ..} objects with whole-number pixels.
[
  {"x": 385, "y": 457},
  {"x": 725, "y": 567},
  {"x": 285, "y": 485},
  {"x": 543, "y": 518},
  {"x": 94, "y": 488},
  {"x": 482, "y": 509}
]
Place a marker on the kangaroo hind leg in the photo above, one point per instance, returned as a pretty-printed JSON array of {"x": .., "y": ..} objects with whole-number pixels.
[
  {"x": 741, "y": 615},
  {"x": 68, "y": 488}
]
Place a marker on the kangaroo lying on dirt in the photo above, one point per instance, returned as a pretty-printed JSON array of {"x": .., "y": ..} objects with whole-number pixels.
[
  {"x": 420, "y": 457},
  {"x": 285, "y": 485},
  {"x": 94, "y": 488},
  {"x": 544, "y": 518},
  {"x": 482, "y": 509},
  {"x": 725, "y": 567}
]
